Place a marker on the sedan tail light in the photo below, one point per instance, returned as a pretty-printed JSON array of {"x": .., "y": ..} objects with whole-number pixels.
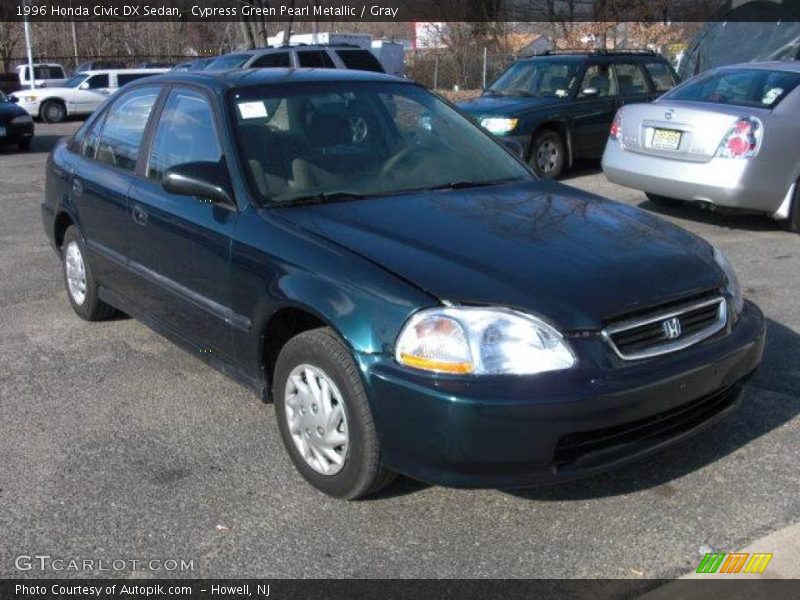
[
  {"x": 743, "y": 140},
  {"x": 616, "y": 126}
]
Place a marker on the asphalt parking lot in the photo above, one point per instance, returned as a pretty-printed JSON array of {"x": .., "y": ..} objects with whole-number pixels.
[{"x": 116, "y": 444}]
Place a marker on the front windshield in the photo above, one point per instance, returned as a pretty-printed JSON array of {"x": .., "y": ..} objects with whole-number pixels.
[
  {"x": 543, "y": 78},
  {"x": 320, "y": 142},
  {"x": 75, "y": 80}
]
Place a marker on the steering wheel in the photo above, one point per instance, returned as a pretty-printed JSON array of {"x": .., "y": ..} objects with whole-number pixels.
[{"x": 395, "y": 158}]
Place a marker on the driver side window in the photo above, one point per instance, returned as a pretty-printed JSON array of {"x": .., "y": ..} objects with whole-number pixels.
[
  {"x": 185, "y": 134},
  {"x": 97, "y": 82},
  {"x": 600, "y": 78}
]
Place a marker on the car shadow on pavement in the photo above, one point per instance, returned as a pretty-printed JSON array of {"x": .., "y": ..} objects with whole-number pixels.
[
  {"x": 44, "y": 143},
  {"x": 721, "y": 218},
  {"x": 770, "y": 400}
]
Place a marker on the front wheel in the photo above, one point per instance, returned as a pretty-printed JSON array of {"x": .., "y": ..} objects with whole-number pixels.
[
  {"x": 324, "y": 417},
  {"x": 547, "y": 154},
  {"x": 53, "y": 111}
]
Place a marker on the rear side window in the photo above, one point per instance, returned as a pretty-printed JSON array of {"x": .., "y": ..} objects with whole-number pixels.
[
  {"x": 97, "y": 82},
  {"x": 315, "y": 59},
  {"x": 662, "y": 76},
  {"x": 362, "y": 60},
  {"x": 185, "y": 134},
  {"x": 276, "y": 59},
  {"x": 124, "y": 78},
  {"x": 116, "y": 141},
  {"x": 740, "y": 87},
  {"x": 630, "y": 79}
]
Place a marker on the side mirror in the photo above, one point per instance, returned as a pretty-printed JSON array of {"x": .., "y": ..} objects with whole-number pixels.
[
  {"x": 513, "y": 146},
  {"x": 589, "y": 92},
  {"x": 205, "y": 180},
  {"x": 83, "y": 86}
]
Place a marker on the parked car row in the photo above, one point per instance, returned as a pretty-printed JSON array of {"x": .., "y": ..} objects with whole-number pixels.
[
  {"x": 727, "y": 139},
  {"x": 411, "y": 297}
]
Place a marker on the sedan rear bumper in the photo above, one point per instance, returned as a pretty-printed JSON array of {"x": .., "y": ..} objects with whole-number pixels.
[
  {"x": 732, "y": 183},
  {"x": 518, "y": 431}
]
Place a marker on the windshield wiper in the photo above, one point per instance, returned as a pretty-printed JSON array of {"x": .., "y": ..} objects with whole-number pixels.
[
  {"x": 460, "y": 185},
  {"x": 327, "y": 197}
]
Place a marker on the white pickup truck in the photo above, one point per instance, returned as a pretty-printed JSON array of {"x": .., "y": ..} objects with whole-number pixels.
[{"x": 44, "y": 75}]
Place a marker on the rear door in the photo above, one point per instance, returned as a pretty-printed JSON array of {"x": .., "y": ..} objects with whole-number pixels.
[
  {"x": 316, "y": 59},
  {"x": 180, "y": 245},
  {"x": 632, "y": 83},
  {"x": 103, "y": 175}
]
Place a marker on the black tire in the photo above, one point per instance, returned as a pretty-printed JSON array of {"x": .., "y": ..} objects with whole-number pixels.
[
  {"x": 91, "y": 308},
  {"x": 362, "y": 472},
  {"x": 548, "y": 154},
  {"x": 53, "y": 111},
  {"x": 25, "y": 145},
  {"x": 793, "y": 222},
  {"x": 664, "y": 200}
]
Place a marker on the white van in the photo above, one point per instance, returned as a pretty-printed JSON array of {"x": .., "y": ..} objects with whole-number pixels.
[
  {"x": 81, "y": 94},
  {"x": 44, "y": 75}
]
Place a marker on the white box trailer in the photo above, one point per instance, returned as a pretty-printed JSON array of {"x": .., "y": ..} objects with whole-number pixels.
[{"x": 392, "y": 56}]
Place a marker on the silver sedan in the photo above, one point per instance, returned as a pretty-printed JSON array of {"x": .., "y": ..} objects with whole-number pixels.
[{"x": 729, "y": 137}]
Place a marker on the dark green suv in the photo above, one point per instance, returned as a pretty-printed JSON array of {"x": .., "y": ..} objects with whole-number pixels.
[{"x": 559, "y": 106}]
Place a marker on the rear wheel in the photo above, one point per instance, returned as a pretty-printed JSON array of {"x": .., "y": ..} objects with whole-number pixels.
[
  {"x": 53, "y": 111},
  {"x": 663, "y": 200},
  {"x": 547, "y": 154},
  {"x": 793, "y": 222},
  {"x": 80, "y": 282},
  {"x": 324, "y": 417}
]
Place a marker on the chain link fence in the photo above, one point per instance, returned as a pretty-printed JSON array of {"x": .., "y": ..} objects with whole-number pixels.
[{"x": 447, "y": 70}]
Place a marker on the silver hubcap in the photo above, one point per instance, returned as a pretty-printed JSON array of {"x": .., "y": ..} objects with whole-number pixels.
[
  {"x": 316, "y": 418},
  {"x": 76, "y": 273},
  {"x": 546, "y": 156},
  {"x": 54, "y": 112}
]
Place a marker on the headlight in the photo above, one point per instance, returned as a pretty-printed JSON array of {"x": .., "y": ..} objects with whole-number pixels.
[
  {"x": 22, "y": 120},
  {"x": 733, "y": 286},
  {"x": 498, "y": 125},
  {"x": 481, "y": 341}
]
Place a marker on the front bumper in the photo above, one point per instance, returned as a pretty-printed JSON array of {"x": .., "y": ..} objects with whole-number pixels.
[
  {"x": 518, "y": 431},
  {"x": 731, "y": 183},
  {"x": 14, "y": 134}
]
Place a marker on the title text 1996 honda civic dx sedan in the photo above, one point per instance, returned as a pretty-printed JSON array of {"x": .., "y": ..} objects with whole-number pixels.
[{"x": 408, "y": 294}]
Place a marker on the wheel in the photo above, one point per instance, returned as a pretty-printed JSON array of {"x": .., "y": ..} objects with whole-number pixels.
[
  {"x": 80, "y": 283},
  {"x": 324, "y": 417},
  {"x": 53, "y": 111},
  {"x": 793, "y": 222},
  {"x": 25, "y": 144},
  {"x": 547, "y": 154},
  {"x": 663, "y": 200}
]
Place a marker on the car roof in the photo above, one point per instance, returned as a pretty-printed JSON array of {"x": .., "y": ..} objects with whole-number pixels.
[
  {"x": 239, "y": 78},
  {"x": 123, "y": 71},
  {"x": 792, "y": 66}
]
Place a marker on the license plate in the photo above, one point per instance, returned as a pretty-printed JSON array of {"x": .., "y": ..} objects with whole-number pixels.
[
  {"x": 2, "y": 132},
  {"x": 666, "y": 139}
]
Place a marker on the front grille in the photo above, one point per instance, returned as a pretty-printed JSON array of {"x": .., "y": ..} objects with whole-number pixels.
[
  {"x": 606, "y": 444},
  {"x": 667, "y": 331}
]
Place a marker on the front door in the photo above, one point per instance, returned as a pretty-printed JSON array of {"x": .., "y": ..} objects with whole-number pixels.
[
  {"x": 180, "y": 245},
  {"x": 595, "y": 106},
  {"x": 90, "y": 94}
]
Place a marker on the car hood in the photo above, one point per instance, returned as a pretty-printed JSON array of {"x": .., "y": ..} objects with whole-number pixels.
[
  {"x": 9, "y": 110},
  {"x": 541, "y": 247},
  {"x": 505, "y": 105}
]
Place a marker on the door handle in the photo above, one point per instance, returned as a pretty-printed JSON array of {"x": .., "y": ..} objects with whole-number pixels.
[
  {"x": 140, "y": 215},
  {"x": 77, "y": 187}
]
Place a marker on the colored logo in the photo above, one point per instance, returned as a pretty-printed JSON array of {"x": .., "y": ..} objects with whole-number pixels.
[{"x": 736, "y": 562}]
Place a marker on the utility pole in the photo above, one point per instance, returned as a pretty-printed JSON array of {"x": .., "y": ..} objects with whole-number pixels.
[
  {"x": 74, "y": 39},
  {"x": 31, "y": 74}
]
